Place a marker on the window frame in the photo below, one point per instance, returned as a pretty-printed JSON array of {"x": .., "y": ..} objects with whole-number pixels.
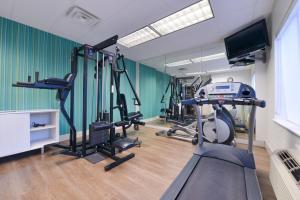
[{"x": 280, "y": 115}]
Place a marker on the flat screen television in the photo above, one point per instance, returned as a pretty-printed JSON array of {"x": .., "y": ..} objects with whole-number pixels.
[{"x": 250, "y": 39}]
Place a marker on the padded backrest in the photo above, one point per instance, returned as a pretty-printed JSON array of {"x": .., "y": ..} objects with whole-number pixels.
[
  {"x": 124, "y": 104},
  {"x": 62, "y": 94},
  {"x": 70, "y": 77}
]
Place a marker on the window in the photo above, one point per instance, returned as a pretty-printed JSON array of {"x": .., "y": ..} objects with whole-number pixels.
[
  {"x": 287, "y": 61},
  {"x": 253, "y": 80}
]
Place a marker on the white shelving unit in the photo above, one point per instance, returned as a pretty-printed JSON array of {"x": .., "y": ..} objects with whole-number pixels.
[
  {"x": 17, "y": 133},
  {"x": 42, "y": 128}
]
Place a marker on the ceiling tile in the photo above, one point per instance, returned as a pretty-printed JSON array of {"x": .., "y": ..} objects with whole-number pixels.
[
  {"x": 193, "y": 36},
  {"x": 230, "y": 23},
  {"x": 126, "y": 16},
  {"x": 6, "y": 8},
  {"x": 263, "y": 8},
  {"x": 40, "y": 13},
  {"x": 75, "y": 30},
  {"x": 105, "y": 9}
]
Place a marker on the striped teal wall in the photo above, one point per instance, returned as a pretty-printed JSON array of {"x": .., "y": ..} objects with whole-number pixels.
[
  {"x": 152, "y": 86},
  {"x": 24, "y": 50},
  {"x": 125, "y": 88}
]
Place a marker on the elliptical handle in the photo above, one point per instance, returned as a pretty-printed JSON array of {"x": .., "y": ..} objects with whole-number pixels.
[
  {"x": 260, "y": 103},
  {"x": 189, "y": 102}
]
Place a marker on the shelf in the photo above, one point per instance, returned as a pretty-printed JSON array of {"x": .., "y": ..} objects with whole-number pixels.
[
  {"x": 22, "y": 137},
  {"x": 42, "y": 128},
  {"x": 40, "y": 143}
]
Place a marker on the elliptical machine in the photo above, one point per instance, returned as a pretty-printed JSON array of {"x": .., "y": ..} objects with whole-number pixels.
[{"x": 217, "y": 127}]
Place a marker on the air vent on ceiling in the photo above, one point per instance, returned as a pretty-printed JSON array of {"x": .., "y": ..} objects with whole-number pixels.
[
  {"x": 82, "y": 16},
  {"x": 290, "y": 163},
  {"x": 182, "y": 69}
]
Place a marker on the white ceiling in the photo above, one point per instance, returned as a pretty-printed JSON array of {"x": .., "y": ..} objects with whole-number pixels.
[{"x": 125, "y": 16}]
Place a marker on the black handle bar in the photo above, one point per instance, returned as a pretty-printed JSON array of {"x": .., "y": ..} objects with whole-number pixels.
[{"x": 224, "y": 101}]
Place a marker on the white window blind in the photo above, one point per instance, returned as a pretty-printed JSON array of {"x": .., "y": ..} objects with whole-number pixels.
[{"x": 287, "y": 61}]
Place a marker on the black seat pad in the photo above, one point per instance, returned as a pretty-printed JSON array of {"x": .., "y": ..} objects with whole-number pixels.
[
  {"x": 124, "y": 143},
  {"x": 134, "y": 115},
  {"x": 121, "y": 123},
  {"x": 55, "y": 81}
]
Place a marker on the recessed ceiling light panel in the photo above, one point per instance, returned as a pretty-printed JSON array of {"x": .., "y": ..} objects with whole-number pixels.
[
  {"x": 208, "y": 58},
  {"x": 178, "y": 63},
  {"x": 188, "y": 16},
  {"x": 196, "y": 60},
  {"x": 195, "y": 73},
  {"x": 138, "y": 37},
  {"x": 228, "y": 69},
  {"x": 213, "y": 57}
]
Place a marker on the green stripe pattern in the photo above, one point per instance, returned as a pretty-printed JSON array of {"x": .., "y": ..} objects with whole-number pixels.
[
  {"x": 25, "y": 50},
  {"x": 152, "y": 86}
]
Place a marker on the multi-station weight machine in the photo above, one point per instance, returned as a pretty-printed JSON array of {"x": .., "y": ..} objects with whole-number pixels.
[{"x": 102, "y": 137}]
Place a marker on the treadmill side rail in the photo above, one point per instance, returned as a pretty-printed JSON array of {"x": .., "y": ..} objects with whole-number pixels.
[
  {"x": 252, "y": 185},
  {"x": 174, "y": 190}
]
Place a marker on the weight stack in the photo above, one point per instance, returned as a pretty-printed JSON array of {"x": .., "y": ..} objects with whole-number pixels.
[{"x": 99, "y": 132}]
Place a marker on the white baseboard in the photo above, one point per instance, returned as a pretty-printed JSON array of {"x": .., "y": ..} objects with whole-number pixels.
[
  {"x": 67, "y": 135},
  {"x": 257, "y": 143},
  {"x": 269, "y": 149},
  {"x": 297, "y": 147},
  {"x": 157, "y": 127},
  {"x": 151, "y": 119},
  {"x": 79, "y": 134}
]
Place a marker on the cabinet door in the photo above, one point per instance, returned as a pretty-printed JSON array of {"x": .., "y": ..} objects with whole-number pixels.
[{"x": 14, "y": 133}]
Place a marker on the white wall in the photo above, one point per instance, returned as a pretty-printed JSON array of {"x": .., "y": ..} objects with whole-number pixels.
[
  {"x": 238, "y": 76},
  {"x": 277, "y": 137},
  {"x": 243, "y": 76},
  {"x": 260, "y": 71}
]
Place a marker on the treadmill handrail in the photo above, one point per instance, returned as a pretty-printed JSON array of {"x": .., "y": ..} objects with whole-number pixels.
[{"x": 225, "y": 101}]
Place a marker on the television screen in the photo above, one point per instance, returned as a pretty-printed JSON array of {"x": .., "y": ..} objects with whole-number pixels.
[{"x": 250, "y": 39}]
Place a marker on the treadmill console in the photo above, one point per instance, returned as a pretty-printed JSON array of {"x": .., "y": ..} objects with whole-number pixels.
[{"x": 230, "y": 90}]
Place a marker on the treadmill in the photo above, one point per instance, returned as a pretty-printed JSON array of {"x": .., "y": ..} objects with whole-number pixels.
[{"x": 218, "y": 171}]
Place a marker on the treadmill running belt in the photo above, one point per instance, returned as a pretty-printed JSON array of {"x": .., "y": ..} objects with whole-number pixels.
[{"x": 215, "y": 180}]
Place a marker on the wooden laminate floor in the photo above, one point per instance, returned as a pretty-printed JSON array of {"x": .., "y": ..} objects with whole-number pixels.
[
  {"x": 160, "y": 122},
  {"x": 146, "y": 176}
]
